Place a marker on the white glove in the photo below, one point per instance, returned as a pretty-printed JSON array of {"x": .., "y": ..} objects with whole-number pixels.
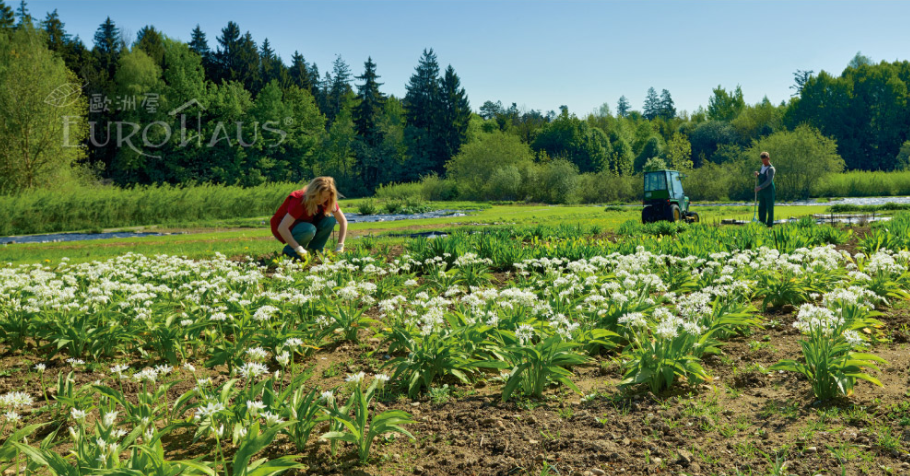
[
  {"x": 301, "y": 251},
  {"x": 339, "y": 248}
]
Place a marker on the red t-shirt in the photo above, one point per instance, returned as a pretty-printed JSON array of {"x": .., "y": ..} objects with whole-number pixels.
[{"x": 293, "y": 205}]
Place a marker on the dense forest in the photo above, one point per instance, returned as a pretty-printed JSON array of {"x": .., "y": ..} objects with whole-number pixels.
[{"x": 151, "y": 109}]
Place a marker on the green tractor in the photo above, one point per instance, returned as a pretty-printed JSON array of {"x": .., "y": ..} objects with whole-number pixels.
[{"x": 664, "y": 198}]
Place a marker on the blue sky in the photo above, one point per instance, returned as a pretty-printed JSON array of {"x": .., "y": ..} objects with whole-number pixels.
[{"x": 543, "y": 54}]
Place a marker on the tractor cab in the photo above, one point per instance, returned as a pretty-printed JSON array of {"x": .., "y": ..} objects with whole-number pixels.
[{"x": 664, "y": 198}]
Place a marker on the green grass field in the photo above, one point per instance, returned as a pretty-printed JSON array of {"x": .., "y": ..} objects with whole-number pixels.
[{"x": 252, "y": 237}]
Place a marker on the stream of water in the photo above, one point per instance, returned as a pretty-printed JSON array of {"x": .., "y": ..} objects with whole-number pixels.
[{"x": 351, "y": 217}]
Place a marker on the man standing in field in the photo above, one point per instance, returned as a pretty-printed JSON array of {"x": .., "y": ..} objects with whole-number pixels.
[{"x": 765, "y": 190}]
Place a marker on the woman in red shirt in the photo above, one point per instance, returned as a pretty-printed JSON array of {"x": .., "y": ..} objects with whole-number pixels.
[{"x": 307, "y": 217}]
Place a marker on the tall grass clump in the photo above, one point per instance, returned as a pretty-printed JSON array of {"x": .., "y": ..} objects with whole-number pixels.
[
  {"x": 863, "y": 184},
  {"x": 92, "y": 208},
  {"x": 885, "y": 207}
]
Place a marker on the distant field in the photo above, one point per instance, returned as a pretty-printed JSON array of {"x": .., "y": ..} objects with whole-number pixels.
[{"x": 251, "y": 236}]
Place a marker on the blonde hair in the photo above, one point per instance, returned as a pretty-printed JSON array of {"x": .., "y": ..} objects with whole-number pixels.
[
  {"x": 766, "y": 155},
  {"x": 314, "y": 189}
]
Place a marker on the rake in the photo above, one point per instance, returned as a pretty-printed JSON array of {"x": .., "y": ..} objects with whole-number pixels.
[{"x": 755, "y": 203}]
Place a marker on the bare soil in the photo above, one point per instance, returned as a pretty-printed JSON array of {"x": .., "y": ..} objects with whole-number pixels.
[{"x": 746, "y": 418}]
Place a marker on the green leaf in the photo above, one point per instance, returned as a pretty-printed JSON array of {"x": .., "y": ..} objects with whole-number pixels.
[
  {"x": 866, "y": 377},
  {"x": 275, "y": 466},
  {"x": 254, "y": 442},
  {"x": 570, "y": 384},
  {"x": 339, "y": 435},
  {"x": 50, "y": 459},
  {"x": 7, "y": 450}
]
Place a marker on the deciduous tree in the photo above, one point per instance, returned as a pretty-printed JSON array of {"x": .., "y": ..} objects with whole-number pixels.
[
  {"x": 724, "y": 106},
  {"x": 42, "y": 117},
  {"x": 802, "y": 157}
]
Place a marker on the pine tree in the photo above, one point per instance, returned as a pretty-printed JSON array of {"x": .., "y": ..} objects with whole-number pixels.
[
  {"x": 107, "y": 37},
  {"x": 25, "y": 18},
  {"x": 370, "y": 106},
  {"x": 316, "y": 86},
  {"x": 200, "y": 45},
  {"x": 339, "y": 85},
  {"x": 367, "y": 114},
  {"x": 325, "y": 85},
  {"x": 454, "y": 114},
  {"x": 314, "y": 79},
  {"x": 151, "y": 42},
  {"x": 107, "y": 46},
  {"x": 667, "y": 108},
  {"x": 248, "y": 64},
  {"x": 7, "y": 18},
  {"x": 226, "y": 55},
  {"x": 421, "y": 102},
  {"x": 800, "y": 78},
  {"x": 282, "y": 75},
  {"x": 266, "y": 51},
  {"x": 422, "y": 91},
  {"x": 623, "y": 107},
  {"x": 270, "y": 65},
  {"x": 651, "y": 108},
  {"x": 299, "y": 72},
  {"x": 79, "y": 59},
  {"x": 57, "y": 38}
]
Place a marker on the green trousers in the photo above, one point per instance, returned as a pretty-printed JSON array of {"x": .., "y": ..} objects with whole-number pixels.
[
  {"x": 311, "y": 236},
  {"x": 766, "y": 205}
]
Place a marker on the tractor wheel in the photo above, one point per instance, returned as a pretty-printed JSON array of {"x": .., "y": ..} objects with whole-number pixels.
[
  {"x": 693, "y": 217},
  {"x": 674, "y": 212},
  {"x": 646, "y": 215}
]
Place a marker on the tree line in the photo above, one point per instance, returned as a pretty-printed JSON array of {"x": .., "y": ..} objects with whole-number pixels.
[{"x": 153, "y": 109}]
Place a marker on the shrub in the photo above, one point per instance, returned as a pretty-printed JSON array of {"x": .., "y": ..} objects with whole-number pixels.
[
  {"x": 709, "y": 182},
  {"x": 902, "y": 160},
  {"x": 400, "y": 191},
  {"x": 801, "y": 157},
  {"x": 438, "y": 189},
  {"x": 556, "y": 182},
  {"x": 477, "y": 161},
  {"x": 604, "y": 187},
  {"x": 367, "y": 207},
  {"x": 505, "y": 184}
]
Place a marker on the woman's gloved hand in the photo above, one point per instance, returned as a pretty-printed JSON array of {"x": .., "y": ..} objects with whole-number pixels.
[
  {"x": 339, "y": 248},
  {"x": 301, "y": 251}
]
